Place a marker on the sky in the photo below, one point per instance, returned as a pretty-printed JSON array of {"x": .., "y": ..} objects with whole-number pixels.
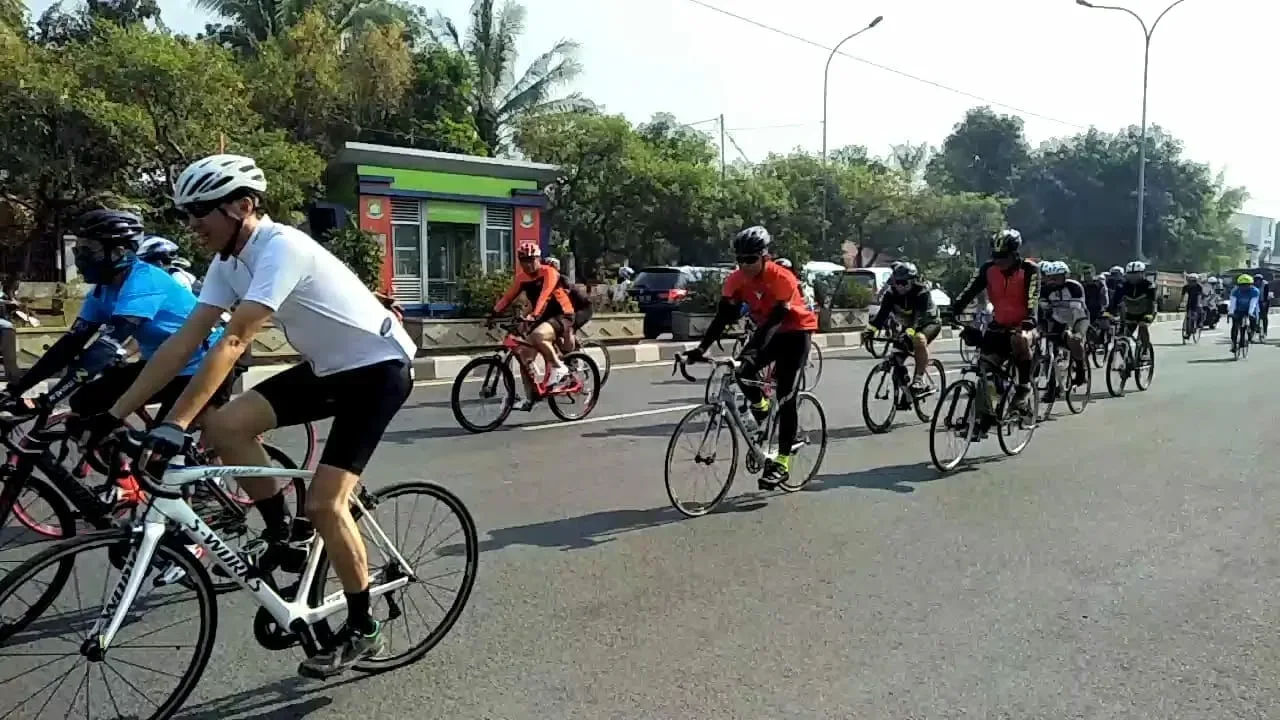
[{"x": 1060, "y": 66}]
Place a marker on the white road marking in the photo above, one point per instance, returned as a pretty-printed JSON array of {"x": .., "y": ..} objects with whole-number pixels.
[{"x": 607, "y": 418}]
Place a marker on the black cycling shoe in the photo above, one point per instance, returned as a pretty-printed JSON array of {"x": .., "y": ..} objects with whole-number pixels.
[
  {"x": 774, "y": 475},
  {"x": 351, "y": 648}
]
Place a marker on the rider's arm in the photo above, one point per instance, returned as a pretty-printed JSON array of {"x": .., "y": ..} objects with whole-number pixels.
[
  {"x": 886, "y": 307},
  {"x": 175, "y": 352},
  {"x": 247, "y": 319},
  {"x": 1032, "y": 274},
  {"x": 1116, "y": 299},
  {"x": 509, "y": 295},
  {"x": 923, "y": 311},
  {"x": 976, "y": 285},
  {"x": 57, "y": 357},
  {"x": 726, "y": 312}
]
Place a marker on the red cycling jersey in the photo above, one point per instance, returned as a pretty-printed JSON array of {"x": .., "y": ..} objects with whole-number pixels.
[
  {"x": 775, "y": 284},
  {"x": 542, "y": 287}
]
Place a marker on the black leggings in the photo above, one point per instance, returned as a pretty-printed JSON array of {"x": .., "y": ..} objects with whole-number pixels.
[
  {"x": 1263, "y": 312},
  {"x": 1238, "y": 328},
  {"x": 788, "y": 352}
]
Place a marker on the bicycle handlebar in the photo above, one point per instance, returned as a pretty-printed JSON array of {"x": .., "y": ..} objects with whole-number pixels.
[
  {"x": 682, "y": 362},
  {"x": 131, "y": 447}
]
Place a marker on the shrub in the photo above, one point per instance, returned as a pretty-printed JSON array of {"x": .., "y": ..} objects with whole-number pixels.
[
  {"x": 478, "y": 292},
  {"x": 359, "y": 250},
  {"x": 853, "y": 295}
]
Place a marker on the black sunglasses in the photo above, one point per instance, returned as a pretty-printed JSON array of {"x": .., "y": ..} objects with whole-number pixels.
[{"x": 200, "y": 210}]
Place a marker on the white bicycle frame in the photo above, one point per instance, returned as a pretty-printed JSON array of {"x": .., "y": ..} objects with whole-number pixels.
[{"x": 162, "y": 511}]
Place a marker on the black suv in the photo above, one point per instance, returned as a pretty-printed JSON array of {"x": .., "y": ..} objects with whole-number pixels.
[{"x": 658, "y": 291}]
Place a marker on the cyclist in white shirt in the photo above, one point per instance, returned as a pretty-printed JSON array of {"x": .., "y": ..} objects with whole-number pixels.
[
  {"x": 356, "y": 367},
  {"x": 163, "y": 253}
]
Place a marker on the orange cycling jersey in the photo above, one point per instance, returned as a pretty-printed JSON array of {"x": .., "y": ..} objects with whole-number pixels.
[
  {"x": 775, "y": 284},
  {"x": 542, "y": 287},
  {"x": 1013, "y": 291}
]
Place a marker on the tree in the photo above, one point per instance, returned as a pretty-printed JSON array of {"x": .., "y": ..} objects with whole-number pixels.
[
  {"x": 250, "y": 24},
  {"x": 984, "y": 154},
  {"x": 500, "y": 100},
  {"x": 13, "y": 15}
]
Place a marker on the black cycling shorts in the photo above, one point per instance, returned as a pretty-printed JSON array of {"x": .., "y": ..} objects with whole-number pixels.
[
  {"x": 361, "y": 402},
  {"x": 98, "y": 395},
  {"x": 1079, "y": 328},
  {"x": 997, "y": 340},
  {"x": 930, "y": 333}
]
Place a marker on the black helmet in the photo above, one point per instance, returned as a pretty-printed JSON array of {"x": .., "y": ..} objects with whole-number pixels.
[
  {"x": 112, "y": 228},
  {"x": 1005, "y": 243},
  {"x": 752, "y": 241},
  {"x": 905, "y": 271}
]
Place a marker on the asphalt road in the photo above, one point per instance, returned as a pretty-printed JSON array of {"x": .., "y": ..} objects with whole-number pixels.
[{"x": 1123, "y": 566}]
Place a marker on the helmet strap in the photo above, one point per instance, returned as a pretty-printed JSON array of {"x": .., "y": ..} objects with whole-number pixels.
[{"x": 230, "y": 246}]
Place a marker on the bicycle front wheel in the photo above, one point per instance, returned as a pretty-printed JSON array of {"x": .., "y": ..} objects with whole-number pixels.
[
  {"x": 494, "y": 381},
  {"x": 1117, "y": 369},
  {"x": 39, "y": 688},
  {"x": 1145, "y": 368},
  {"x": 813, "y": 371},
  {"x": 698, "y": 437},
  {"x": 955, "y": 417}
]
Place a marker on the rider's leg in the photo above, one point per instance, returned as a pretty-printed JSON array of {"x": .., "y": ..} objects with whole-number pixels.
[
  {"x": 920, "y": 347},
  {"x": 1235, "y": 331},
  {"x": 1075, "y": 343},
  {"x": 232, "y": 431},
  {"x": 1023, "y": 341},
  {"x": 792, "y": 350},
  {"x": 543, "y": 337},
  {"x": 1144, "y": 332},
  {"x": 527, "y": 356},
  {"x": 362, "y": 403}
]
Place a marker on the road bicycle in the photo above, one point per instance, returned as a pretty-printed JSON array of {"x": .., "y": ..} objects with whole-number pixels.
[
  {"x": 1127, "y": 359},
  {"x": 982, "y": 397},
  {"x": 809, "y": 376},
  {"x": 1055, "y": 371},
  {"x": 880, "y": 343},
  {"x": 981, "y": 319},
  {"x": 582, "y": 343},
  {"x": 574, "y": 399},
  {"x": 1191, "y": 326},
  {"x": 1246, "y": 335},
  {"x": 890, "y": 380},
  {"x": 54, "y": 504},
  {"x": 728, "y": 415},
  {"x": 1097, "y": 342},
  {"x": 298, "y": 616}
]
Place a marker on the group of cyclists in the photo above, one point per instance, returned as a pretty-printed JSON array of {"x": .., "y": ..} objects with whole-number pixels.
[{"x": 356, "y": 364}]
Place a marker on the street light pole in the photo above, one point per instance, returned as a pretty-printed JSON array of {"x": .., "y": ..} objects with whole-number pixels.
[
  {"x": 1146, "y": 65},
  {"x": 826, "y": 76}
]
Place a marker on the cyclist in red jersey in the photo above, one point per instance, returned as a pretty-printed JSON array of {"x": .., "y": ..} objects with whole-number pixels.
[
  {"x": 1013, "y": 289},
  {"x": 784, "y": 326}
]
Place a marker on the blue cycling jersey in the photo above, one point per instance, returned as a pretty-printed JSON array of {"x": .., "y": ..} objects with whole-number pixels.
[
  {"x": 1244, "y": 300},
  {"x": 157, "y": 298}
]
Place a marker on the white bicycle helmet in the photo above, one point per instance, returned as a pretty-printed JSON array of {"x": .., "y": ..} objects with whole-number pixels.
[
  {"x": 182, "y": 263},
  {"x": 157, "y": 247},
  {"x": 217, "y": 177},
  {"x": 1053, "y": 267},
  {"x": 1137, "y": 266}
]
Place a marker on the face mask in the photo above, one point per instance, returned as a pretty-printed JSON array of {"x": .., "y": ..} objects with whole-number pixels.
[{"x": 101, "y": 270}]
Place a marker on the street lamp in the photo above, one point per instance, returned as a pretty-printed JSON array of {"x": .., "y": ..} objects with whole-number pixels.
[
  {"x": 1146, "y": 63},
  {"x": 826, "y": 75}
]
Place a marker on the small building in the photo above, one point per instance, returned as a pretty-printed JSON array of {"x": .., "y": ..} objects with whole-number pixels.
[
  {"x": 440, "y": 213},
  {"x": 1259, "y": 236}
]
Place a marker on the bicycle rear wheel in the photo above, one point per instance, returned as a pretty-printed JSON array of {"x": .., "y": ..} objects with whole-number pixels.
[
  {"x": 605, "y": 364},
  {"x": 935, "y": 376},
  {"x": 702, "y": 430},
  {"x": 17, "y": 699},
  {"x": 413, "y": 497},
  {"x": 578, "y": 403},
  {"x": 811, "y": 438},
  {"x": 1012, "y": 419},
  {"x": 1079, "y": 396}
]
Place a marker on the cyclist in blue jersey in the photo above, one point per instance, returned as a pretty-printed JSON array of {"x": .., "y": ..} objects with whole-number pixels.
[
  {"x": 1244, "y": 301},
  {"x": 131, "y": 299}
]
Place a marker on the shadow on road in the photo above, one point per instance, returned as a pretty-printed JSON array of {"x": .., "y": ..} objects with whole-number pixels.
[
  {"x": 408, "y": 437},
  {"x": 290, "y": 698},
  {"x": 655, "y": 431},
  {"x": 598, "y": 528},
  {"x": 427, "y": 404},
  {"x": 894, "y": 477},
  {"x": 1211, "y": 360}
]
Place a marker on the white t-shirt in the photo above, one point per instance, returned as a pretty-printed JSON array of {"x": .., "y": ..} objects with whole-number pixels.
[
  {"x": 326, "y": 313},
  {"x": 184, "y": 278}
]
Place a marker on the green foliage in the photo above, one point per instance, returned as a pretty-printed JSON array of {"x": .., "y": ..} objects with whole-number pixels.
[
  {"x": 478, "y": 292},
  {"x": 841, "y": 291},
  {"x": 359, "y": 250},
  {"x": 704, "y": 294}
]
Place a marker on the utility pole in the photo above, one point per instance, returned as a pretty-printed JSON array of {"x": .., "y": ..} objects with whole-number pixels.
[{"x": 721, "y": 147}]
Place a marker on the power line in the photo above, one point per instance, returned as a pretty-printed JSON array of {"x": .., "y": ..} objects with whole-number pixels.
[
  {"x": 787, "y": 126},
  {"x": 886, "y": 68}
]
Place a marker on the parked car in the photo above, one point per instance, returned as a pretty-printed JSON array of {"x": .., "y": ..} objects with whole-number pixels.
[{"x": 658, "y": 291}]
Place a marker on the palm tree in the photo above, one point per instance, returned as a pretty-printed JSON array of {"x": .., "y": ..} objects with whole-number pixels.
[
  {"x": 249, "y": 23},
  {"x": 501, "y": 100}
]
